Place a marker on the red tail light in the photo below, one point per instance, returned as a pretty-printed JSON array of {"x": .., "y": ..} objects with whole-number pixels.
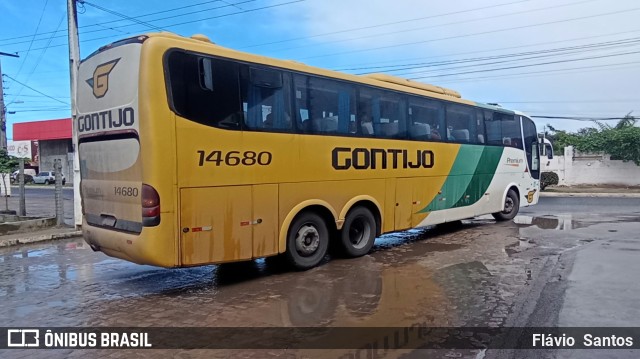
[{"x": 150, "y": 206}]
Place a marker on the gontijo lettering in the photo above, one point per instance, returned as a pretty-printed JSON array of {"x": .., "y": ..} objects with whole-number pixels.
[
  {"x": 344, "y": 158},
  {"x": 106, "y": 120}
]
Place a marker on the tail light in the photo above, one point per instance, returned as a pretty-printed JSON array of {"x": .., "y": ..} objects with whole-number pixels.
[{"x": 150, "y": 206}]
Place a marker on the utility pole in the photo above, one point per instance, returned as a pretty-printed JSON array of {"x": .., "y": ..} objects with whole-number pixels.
[
  {"x": 3, "y": 108},
  {"x": 74, "y": 64}
]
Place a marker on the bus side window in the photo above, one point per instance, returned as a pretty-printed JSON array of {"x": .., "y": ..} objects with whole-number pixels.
[
  {"x": 426, "y": 119},
  {"x": 461, "y": 123},
  {"x": 204, "y": 89},
  {"x": 511, "y": 134},
  {"x": 324, "y": 106},
  {"x": 266, "y": 95},
  {"x": 493, "y": 128},
  {"x": 480, "y": 126},
  {"x": 381, "y": 114}
]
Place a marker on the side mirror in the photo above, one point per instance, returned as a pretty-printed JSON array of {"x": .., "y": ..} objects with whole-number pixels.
[{"x": 549, "y": 150}]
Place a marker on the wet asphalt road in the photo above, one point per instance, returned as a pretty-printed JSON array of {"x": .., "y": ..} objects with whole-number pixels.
[
  {"x": 40, "y": 201},
  {"x": 565, "y": 262}
]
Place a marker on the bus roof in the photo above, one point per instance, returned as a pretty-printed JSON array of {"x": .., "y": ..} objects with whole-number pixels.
[{"x": 201, "y": 43}]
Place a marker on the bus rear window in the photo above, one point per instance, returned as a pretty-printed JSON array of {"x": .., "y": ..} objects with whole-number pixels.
[{"x": 110, "y": 156}]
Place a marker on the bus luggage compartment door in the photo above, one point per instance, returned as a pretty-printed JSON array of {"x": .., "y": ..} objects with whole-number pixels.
[{"x": 215, "y": 224}]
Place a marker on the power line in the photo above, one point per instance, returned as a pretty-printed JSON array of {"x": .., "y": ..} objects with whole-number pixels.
[
  {"x": 198, "y": 20},
  {"x": 381, "y": 25},
  {"x": 46, "y": 110},
  {"x": 471, "y": 34},
  {"x": 112, "y": 21},
  {"x": 34, "y": 36},
  {"x": 574, "y": 118},
  {"x": 569, "y": 101},
  {"x": 477, "y": 51},
  {"x": 41, "y": 55},
  {"x": 31, "y": 88},
  {"x": 438, "y": 25},
  {"x": 528, "y": 65},
  {"x": 151, "y": 20},
  {"x": 560, "y": 71},
  {"x": 137, "y": 21},
  {"x": 547, "y": 53}
]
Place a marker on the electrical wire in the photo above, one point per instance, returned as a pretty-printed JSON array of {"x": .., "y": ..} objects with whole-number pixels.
[
  {"x": 32, "y": 39},
  {"x": 528, "y": 65},
  {"x": 137, "y": 21},
  {"x": 31, "y": 88},
  {"x": 382, "y": 25},
  {"x": 40, "y": 57},
  {"x": 114, "y": 28},
  {"x": 547, "y": 52},
  {"x": 198, "y": 20},
  {"x": 511, "y": 14},
  {"x": 362, "y": 67},
  {"x": 471, "y": 34}
]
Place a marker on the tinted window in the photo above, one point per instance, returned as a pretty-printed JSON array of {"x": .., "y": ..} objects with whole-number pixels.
[
  {"x": 461, "y": 124},
  {"x": 481, "y": 135},
  {"x": 531, "y": 146},
  {"x": 426, "y": 119},
  {"x": 511, "y": 135},
  {"x": 493, "y": 128},
  {"x": 204, "y": 89},
  {"x": 266, "y": 99},
  {"x": 381, "y": 114},
  {"x": 324, "y": 106}
]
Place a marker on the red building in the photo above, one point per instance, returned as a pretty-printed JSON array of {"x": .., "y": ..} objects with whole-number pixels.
[
  {"x": 54, "y": 142},
  {"x": 43, "y": 130}
]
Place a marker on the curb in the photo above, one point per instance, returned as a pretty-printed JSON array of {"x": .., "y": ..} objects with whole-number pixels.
[
  {"x": 40, "y": 238},
  {"x": 586, "y": 195}
]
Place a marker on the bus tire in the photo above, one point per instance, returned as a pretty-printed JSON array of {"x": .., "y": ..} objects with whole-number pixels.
[
  {"x": 358, "y": 232},
  {"x": 511, "y": 207},
  {"x": 307, "y": 241}
]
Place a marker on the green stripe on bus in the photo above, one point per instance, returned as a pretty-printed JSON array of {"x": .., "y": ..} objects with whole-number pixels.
[
  {"x": 458, "y": 179},
  {"x": 482, "y": 176}
]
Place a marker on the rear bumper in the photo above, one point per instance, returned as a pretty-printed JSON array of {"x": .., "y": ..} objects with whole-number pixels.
[{"x": 144, "y": 248}]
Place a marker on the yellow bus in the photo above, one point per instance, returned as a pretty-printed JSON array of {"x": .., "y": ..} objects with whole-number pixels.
[{"x": 192, "y": 154}]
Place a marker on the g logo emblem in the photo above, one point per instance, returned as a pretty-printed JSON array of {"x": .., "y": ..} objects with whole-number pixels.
[
  {"x": 530, "y": 196},
  {"x": 100, "y": 80}
]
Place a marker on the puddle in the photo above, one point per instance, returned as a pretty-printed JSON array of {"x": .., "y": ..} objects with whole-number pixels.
[
  {"x": 568, "y": 222},
  {"x": 559, "y": 223}
]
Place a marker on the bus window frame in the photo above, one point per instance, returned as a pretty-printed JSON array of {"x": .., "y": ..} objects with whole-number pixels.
[{"x": 404, "y": 100}]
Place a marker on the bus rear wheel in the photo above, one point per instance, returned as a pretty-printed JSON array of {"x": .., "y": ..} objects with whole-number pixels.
[
  {"x": 307, "y": 241},
  {"x": 511, "y": 207},
  {"x": 358, "y": 232}
]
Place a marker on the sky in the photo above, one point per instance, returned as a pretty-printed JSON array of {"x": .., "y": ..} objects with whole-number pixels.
[{"x": 572, "y": 58}]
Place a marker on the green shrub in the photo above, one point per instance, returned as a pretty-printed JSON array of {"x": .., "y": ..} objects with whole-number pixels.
[{"x": 548, "y": 179}]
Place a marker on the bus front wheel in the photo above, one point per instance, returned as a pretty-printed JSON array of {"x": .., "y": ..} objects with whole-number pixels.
[
  {"x": 511, "y": 207},
  {"x": 358, "y": 232},
  {"x": 307, "y": 241}
]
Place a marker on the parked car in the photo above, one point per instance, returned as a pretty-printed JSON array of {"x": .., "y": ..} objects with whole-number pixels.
[
  {"x": 47, "y": 177},
  {"x": 28, "y": 175}
]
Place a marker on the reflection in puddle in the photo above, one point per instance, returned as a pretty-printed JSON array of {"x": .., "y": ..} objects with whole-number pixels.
[
  {"x": 567, "y": 222},
  {"x": 560, "y": 223}
]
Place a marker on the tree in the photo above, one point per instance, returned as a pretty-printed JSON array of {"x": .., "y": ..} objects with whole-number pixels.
[
  {"x": 621, "y": 141},
  {"x": 7, "y": 165}
]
